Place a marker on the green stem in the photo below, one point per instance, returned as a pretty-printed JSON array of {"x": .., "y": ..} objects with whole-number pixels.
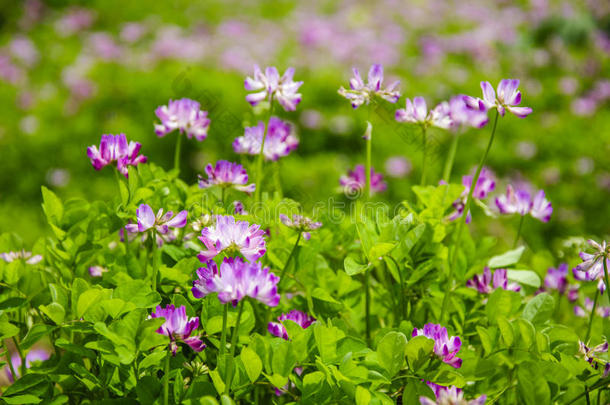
[
  {"x": 276, "y": 177},
  {"x": 222, "y": 196},
  {"x": 177, "y": 152},
  {"x": 223, "y": 334},
  {"x": 166, "y": 379},
  {"x": 261, "y": 156},
  {"x": 450, "y": 158},
  {"x": 233, "y": 346},
  {"x": 369, "y": 141},
  {"x": 294, "y": 248},
  {"x": 367, "y": 306},
  {"x": 423, "y": 157},
  {"x": 9, "y": 360},
  {"x": 592, "y": 316},
  {"x": 155, "y": 260},
  {"x": 23, "y": 365},
  {"x": 518, "y": 231},
  {"x": 606, "y": 273},
  {"x": 460, "y": 224}
]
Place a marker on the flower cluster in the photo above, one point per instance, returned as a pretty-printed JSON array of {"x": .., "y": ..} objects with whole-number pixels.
[
  {"x": 235, "y": 280},
  {"x": 360, "y": 93},
  {"x": 592, "y": 266},
  {"x": 416, "y": 112},
  {"x": 160, "y": 223},
  {"x": 269, "y": 86},
  {"x": 230, "y": 235},
  {"x": 178, "y": 327},
  {"x": 449, "y": 396},
  {"x": 355, "y": 181},
  {"x": 114, "y": 148},
  {"x": 227, "y": 174},
  {"x": 591, "y": 358},
  {"x": 279, "y": 141},
  {"x": 444, "y": 347},
  {"x": 485, "y": 185},
  {"x": 520, "y": 202},
  {"x": 185, "y": 116},
  {"x": 300, "y": 318},
  {"x": 21, "y": 255},
  {"x": 486, "y": 283},
  {"x": 301, "y": 224},
  {"x": 557, "y": 279}
]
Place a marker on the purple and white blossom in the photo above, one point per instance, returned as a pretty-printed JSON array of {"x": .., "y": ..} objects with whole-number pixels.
[
  {"x": 279, "y": 141},
  {"x": 355, "y": 180},
  {"x": 233, "y": 236},
  {"x": 445, "y": 348},
  {"x": 591, "y": 358},
  {"x": 520, "y": 202},
  {"x": 301, "y": 318},
  {"x": 486, "y": 283},
  {"x": 360, "y": 93},
  {"x": 114, "y": 148},
  {"x": 97, "y": 271},
  {"x": 185, "y": 116},
  {"x": 592, "y": 266},
  {"x": 486, "y": 183},
  {"x": 557, "y": 278},
  {"x": 416, "y": 112},
  {"x": 227, "y": 174},
  {"x": 269, "y": 86},
  {"x": 467, "y": 111},
  {"x": 34, "y": 355},
  {"x": 235, "y": 280},
  {"x": 586, "y": 309},
  {"x": 301, "y": 224},
  {"x": 178, "y": 327},
  {"x": 508, "y": 97},
  {"x": 449, "y": 396},
  {"x": 147, "y": 220},
  {"x": 22, "y": 254}
]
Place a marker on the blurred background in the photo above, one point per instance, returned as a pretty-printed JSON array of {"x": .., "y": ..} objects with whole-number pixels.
[{"x": 73, "y": 70}]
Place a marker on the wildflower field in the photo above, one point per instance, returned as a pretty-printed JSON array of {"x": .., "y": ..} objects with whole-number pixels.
[{"x": 327, "y": 202}]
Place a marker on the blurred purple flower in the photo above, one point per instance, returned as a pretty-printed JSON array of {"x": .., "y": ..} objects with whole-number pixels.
[
  {"x": 444, "y": 347},
  {"x": 520, "y": 202},
  {"x": 464, "y": 111},
  {"x": 114, "y": 148},
  {"x": 279, "y": 142},
  {"x": 449, "y": 396},
  {"x": 301, "y": 224},
  {"x": 579, "y": 311},
  {"x": 355, "y": 180},
  {"x": 301, "y": 318},
  {"x": 270, "y": 85},
  {"x": 486, "y": 284},
  {"x": 161, "y": 223},
  {"x": 33, "y": 355},
  {"x": 360, "y": 93},
  {"x": 397, "y": 166},
  {"x": 557, "y": 278},
  {"x": 185, "y": 116},
  {"x": 235, "y": 280},
  {"x": 227, "y": 174},
  {"x": 416, "y": 112},
  {"x": 21, "y": 255},
  {"x": 486, "y": 183},
  {"x": 97, "y": 271},
  {"x": 178, "y": 327},
  {"x": 235, "y": 236},
  {"x": 508, "y": 98},
  {"x": 238, "y": 208}
]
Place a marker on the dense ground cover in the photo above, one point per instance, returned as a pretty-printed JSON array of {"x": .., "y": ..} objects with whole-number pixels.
[{"x": 205, "y": 271}]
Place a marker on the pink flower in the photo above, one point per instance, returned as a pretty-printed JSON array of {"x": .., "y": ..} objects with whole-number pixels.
[
  {"x": 520, "y": 202},
  {"x": 444, "y": 347},
  {"x": 236, "y": 236},
  {"x": 355, "y": 180},
  {"x": 160, "y": 222},
  {"x": 449, "y": 396},
  {"x": 279, "y": 142},
  {"x": 185, "y": 116},
  {"x": 508, "y": 98},
  {"x": 486, "y": 284},
  {"x": 416, "y": 112},
  {"x": 114, "y": 148},
  {"x": 227, "y": 174},
  {"x": 486, "y": 183},
  {"x": 178, "y": 327},
  {"x": 270, "y": 85},
  {"x": 301, "y": 318}
]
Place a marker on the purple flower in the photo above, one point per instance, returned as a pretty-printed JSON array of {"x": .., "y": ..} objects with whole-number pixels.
[
  {"x": 21, "y": 255},
  {"x": 114, "y": 148},
  {"x": 416, "y": 112},
  {"x": 235, "y": 280},
  {"x": 557, "y": 278},
  {"x": 591, "y": 358},
  {"x": 360, "y": 93},
  {"x": 467, "y": 111},
  {"x": 161, "y": 223},
  {"x": 397, "y": 166},
  {"x": 486, "y": 284},
  {"x": 300, "y": 224},
  {"x": 444, "y": 347},
  {"x": 97, "y": 271},
  {"x": 270, "y": 85},
  {"x": 579, "y": 311},
  {"x": 227, "y": 174},
  {"x": 238, "y": 208},
  {"x": 235, "y": 236},
  {"x": 486, "y": 183},
  {"x": 508, "y": 98},
  {"x": 33, "y": 355},
  {"x": 449, "y": 396},
  {"x": 520, "y": 202},
  {"x": 301, "y": 318},
  {"x": 355, "y": 180},
  {"x": 178, "y": 327},
  {"x": 185, "y": 116},
  {"x": 592, "y": 266},
  {"x": 279, "y": 142}
]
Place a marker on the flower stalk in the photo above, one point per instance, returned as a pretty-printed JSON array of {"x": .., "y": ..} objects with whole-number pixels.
[{"x": 261, "y": 154}]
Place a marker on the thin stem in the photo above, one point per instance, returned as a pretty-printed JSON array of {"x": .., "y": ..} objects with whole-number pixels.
[
  {"x": 605, "y": 260},
  {"x": 367, "y": 306},
  {"x": 223, "y": 334},
  {"x": 450, "y": 158},
  {"x": 294, "y": 248},
  {"x": 423, "y": 156},
  {"x": 518, "y": 231},
  {"x": 23, "y": 365},
  {"x": 592, "y": 316},
  {"x": 460, "y": 224},
  {"x": 166, "y": 379},
  {"x": 369, "y": 146},
  {"x": 9, "y": 360},
  {"x": 276, "y": 177},
  {"x": 177, "y": 152},
  {"x": 233, "y": 346},
  {"x": 155, "y": 260},
  {"x": 222, "y": 195},
  {"x": 261, "y": 156}
]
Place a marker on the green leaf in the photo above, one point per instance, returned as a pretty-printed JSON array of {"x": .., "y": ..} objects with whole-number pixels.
[
  {"x": 363, "y": 396},
  {"x": 217, "y": 381},
  {"x": 506, "y": 329},
  {"x": 391, "y": 352},
  {"x": 34, "y": 335},
  {"x": 524, "y": 277},
  {"x": 418, "y": 350},
  {"x": 252, "y": 363},
  {"x": 539, "y": 309},
  {"x": 12, "y": 303},
  {"x": 54, "y": 311},
  {"x": 381, "y": 249},
  {"x": 486, "y": 340},
  {"x": 153, "y": 359},
  {"x": 352, "y": 267},
  {"x": 22, "y": 399},
  {"x": 8, "y": 330},
  {"x": 533, "y": 389},
  {"x": 89, "y": 299},
  {"x": 502, "y": 303},
  {"x": 52, "y": 206},
  {"x": 283, "y": 360},
  {"x": 506, "y": 259}
]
